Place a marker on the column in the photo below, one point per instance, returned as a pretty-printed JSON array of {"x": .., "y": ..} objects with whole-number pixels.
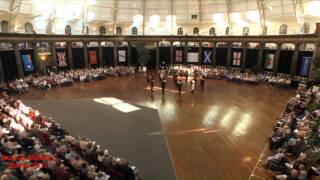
[
  {"x": 171, "y": 53},
  {"x": 244, "y": 56},
  {"x": 18, "y": 60},
  {"x": 70, "y": 60},
  {"x": 101, "y": 63},
  {"x": 214, "y": 54},
  {"x": 85, "y": 54},
  {"x": 276, "y": 58},
  {"x": 315, "y": 61},
  {"x": 260, "y": 55},
  {"x": 2, "y": 78},
  {"x": 54, "y": 54},
  {"x": 157, "y": 55},
  {"x": 185, "y": 53},
  {"x": 129, "y": 53},
  {"x": 200, "y": 53},
  {"x": 36, "y": 57},
  {"x": 115, "y": 54},
  {"x": 294, "y": 60},
  {"x": 229, "y": 54}
]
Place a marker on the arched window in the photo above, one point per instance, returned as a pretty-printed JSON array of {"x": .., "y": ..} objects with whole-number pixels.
[
  {"x": 245, "y": 31},
  {"x": 67, "y": 30},
  {"x": 180, "y": 31},
  {"x": 212, "y": 31},
  {"x": 227, "y": 31},
  {"x": 283, "y": 29},
  {"x": 305, "y": 28},
  {"x": 134, "y": 31},
  {"x": 196, "y": 31},
  {"x": 28, "y": 27},
  {"x": 265, "y": 30},
  {"x": 4, "y": 26},
  {"x": 102, "y": 30},
  {"x": 118, "y": 30}
]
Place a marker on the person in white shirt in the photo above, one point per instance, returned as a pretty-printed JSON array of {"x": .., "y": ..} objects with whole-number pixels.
[{"x": 192, "y": 85}]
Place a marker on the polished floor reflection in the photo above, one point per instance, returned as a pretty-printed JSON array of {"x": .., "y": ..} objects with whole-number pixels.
[{"x": 215, "y": 134}]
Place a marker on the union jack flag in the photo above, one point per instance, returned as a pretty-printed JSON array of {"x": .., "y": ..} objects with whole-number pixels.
[
  {"x": 179, "y": 55},
  {"x": 61, "y": 59},
  {"x": 236, "y": 58}
]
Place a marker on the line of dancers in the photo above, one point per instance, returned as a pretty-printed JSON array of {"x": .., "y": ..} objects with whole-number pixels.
[{"x": 177, "y": 80}]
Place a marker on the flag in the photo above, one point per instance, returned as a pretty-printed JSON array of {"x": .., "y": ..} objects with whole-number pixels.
[
  {"x": 305, "y": 66},
  {"x": 207, "y": 57},
  {"x": 236, "y": 58},
  {"x": 27, "y": 62},
  {"x": 193, "y": 57},
  {"x": 179, "y": 55},
  {"x": 269, "y": 61},
  {"x": 93, "y": 57},
  {"x": 61, "y": 59},
  {"x": 122, "y": 55}
]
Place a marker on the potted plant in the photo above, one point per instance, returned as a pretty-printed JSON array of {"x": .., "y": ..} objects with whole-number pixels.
[{"x": 143, "y": 56}]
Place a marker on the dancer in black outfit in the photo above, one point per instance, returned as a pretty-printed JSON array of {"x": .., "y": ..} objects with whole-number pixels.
[
  {"x": 152, "y": 83},
  {"x": 163, "y": 85}
]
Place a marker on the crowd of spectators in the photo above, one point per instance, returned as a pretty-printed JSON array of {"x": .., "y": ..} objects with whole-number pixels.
[
  {"x": 16, "y": 86},
  {"x": 295, "y": 140},
  {"x": 232, "y": 75},
  {"x": 36, "y": 147},
  {"x": 64, "y": 78}
]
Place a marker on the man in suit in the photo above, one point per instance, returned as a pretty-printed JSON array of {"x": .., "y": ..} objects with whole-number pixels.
[
  {"x": 202, "y": 80},
  {"x": 152, "y": 83},
  {"x": 163, "y": 85},
  {"x": 179, "y": 85}
]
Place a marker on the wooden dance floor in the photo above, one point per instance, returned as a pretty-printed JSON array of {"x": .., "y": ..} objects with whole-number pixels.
[{"x": 215, "y": 134}]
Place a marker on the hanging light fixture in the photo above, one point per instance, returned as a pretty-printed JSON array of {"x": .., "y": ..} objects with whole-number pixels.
[{"x": 43, "y": 53}]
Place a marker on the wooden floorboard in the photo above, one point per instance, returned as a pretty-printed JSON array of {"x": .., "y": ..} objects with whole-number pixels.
[{"x": 215, "y": 134}]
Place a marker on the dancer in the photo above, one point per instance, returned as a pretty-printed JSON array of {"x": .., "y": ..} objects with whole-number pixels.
[
  {"x": 179, "y": 85},
  {"x": 202, "y": 80},
  {"x": 192, "y": 85},
  {"x": 151, "y": 83},
  {"x": 163, "y": 85}
]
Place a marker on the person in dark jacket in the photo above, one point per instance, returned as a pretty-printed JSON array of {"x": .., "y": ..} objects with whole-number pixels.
[{"x": 163, "y": 85}]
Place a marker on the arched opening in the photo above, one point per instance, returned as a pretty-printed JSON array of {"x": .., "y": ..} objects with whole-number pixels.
[
  {"x": 134, "y": 31},
  {"x": 305, "y": 28},
  {"x": 196, "y": 31},
  {"x": 245, "y": 31},
  {"x": 102, "y": 30},
  {"x": 283, "y": 29},
  {"x": 212, "y": 31},
  {"x": 4, "y": 26},
  {"x": 28, "y": 27},
  {"x": 67, "y": 30},
  {"x": 180, "y": 31},
  {"x": 118, "y": 30}
]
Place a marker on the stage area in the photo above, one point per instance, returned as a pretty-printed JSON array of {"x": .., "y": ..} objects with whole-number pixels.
[{"x": 215, "y": 134}]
